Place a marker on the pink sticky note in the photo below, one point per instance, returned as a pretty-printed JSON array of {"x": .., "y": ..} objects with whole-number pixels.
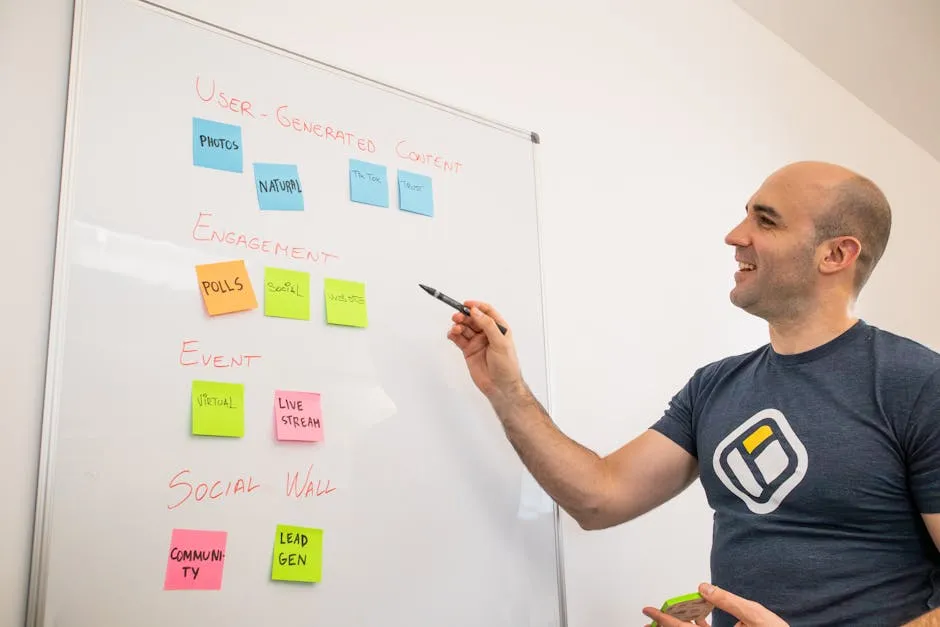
[
  {"x": 297, "y": 416},
  {"x": 196, "y": 559}
]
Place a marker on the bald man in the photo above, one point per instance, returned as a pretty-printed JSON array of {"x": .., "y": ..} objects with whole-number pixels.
[{"x": 819, "y": 451}]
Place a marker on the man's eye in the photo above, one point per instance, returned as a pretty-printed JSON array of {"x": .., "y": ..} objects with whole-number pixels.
[{"x": 765, "y": 221}]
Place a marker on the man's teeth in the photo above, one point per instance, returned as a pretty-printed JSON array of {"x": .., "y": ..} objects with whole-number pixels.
[{"x": 746, "y": 266}]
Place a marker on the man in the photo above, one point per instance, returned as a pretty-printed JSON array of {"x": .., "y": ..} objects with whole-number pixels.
[{"x": 819, "y": 452}]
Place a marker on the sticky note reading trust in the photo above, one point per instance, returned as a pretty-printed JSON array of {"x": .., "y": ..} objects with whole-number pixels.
[
  {"x": 298, "y": 416},
  {"x": 217, "y": 145},
  {"x": 298, "y": 554},
  {"x": 278, "y": 187},
  {"x": 218, "y": 409},
  {"x": 414, "y": 193},
  {"x": 225, "y": 287},
  {"x": 368, "y": 183},
  {"x": 196, "y": 560},
  {"x": 345, "y": 302},
  {"x": 287, "y": 293}
]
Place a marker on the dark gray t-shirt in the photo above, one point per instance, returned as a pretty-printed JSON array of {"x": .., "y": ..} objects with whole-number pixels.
[{"x": 818, "y": 466}]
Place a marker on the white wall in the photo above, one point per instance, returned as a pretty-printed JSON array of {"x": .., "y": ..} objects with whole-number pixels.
[{"x": 658, "y": 120}]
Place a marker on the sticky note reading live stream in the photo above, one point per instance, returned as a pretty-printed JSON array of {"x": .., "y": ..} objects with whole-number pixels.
[
  {"x": 217, "y": 145},
  {"x": 345, "y": 302},
  {"x": 218, "y": 408},
  {"x": 297, "y": 416},
  {"x": 286, "y": 293},
  {"x": 225, "y": 287},
  {"x": 278, "y": 187},
  {"x": 196, "y": 560},
  {"x": 368, "y": 183},
  {"x": 414, "y": 193},
  {"x": 298, "y": 554}
]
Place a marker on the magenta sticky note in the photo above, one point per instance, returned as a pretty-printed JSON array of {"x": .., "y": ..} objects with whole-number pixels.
[
  {"x": 297, "y": 416},
  {"x": 196, "y": 560}
]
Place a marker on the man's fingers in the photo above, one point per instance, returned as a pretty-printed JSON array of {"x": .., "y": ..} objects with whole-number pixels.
[
  {"x": 738, "y": 607},
  {"x": 488, "y": 309},
  {"x": 487, "y": 324},
  {"x": 662, "y": 619}
]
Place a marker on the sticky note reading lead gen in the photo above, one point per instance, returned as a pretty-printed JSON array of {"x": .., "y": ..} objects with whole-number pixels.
[{"x": 298, "y": 554}]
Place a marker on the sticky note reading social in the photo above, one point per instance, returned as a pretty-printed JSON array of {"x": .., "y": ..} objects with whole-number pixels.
[
  {"x": 368, "y": 183},
  {"x": 286, "y": 293},
  {"x": 196, "y": 560},
  {"x": 297, "y": 416},
  {"x": 217, "y": 145},
  {"x": 345, "y": 302},
  {"x": 278, "y": 187},
  {"x": 218, "y": 408},
  {"x": 298, "y": 554},
  {"x": 414, "y": 193},
  {"x": 225, "y": 287}
]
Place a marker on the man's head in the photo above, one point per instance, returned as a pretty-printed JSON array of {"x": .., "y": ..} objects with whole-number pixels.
[{"x": 813, "y": 232}]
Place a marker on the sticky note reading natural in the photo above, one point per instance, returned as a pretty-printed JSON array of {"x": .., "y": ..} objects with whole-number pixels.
[
  {"x": 225, "y": 287},
  {"x": 414, "y": 193},
  {"x": 345, "y": 302},
  {"x": 218, "y": 408},
  {"x": 297, "y": 416},
  {"x": 217, "y": 145},
  {"x": 196, "y": 560},
  {"x": 278, "y": 186},
  {"x": 286, "y": 293},
  {"x": 298, "y": 554},
  {"x": 368, "y": 183}
]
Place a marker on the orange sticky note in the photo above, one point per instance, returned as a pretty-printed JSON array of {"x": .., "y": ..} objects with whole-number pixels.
[{"x": 225, "y": 287}]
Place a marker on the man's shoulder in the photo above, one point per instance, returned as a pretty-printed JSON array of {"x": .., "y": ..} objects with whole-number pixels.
[
  {"x": 899, "y": 356},
  {"x": 728, "y": 365}
]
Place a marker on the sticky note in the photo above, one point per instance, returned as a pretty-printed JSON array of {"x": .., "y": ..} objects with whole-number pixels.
[
  {"x": 218, "y": 408},
  {"x": 196, "y": 560},
  {"x": 368, "y": 183},
  {"x": 345, "y": 302},
  {"x": 278, "y": 187},
  {"x": 414, "y": 193},
  {"x": 286, "y": 293},
  {"x": 298, "y": 554},
  {"x": 297, "y": 416},
  {"x": 225, "y": 287},
  {"x": 217, "y": 145}
]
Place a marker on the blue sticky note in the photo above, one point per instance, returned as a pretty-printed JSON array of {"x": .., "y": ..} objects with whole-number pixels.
[
  {"x": 368, "y": 183},
  {"x": 217, "y": 145},
  {"x": 278, "y": 187},
  {"x": 414, "y": 193}
]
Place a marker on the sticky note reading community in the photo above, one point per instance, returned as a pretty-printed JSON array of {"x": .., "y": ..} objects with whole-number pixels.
[
  {"x": 218, "y": 409},
  {"x": 368, "y": 183},
  {"x": 298, "y": 416},
  {"x": 225, "y": 287},
  {"x": 196, "y": 560},
  {"x": 278, "y": 187},
  {"x": 345, "y": 302},
  {"x": 287, "y": 293},
  {"x": 217, "y": 145},
  {"x": 298, "y": 554}
]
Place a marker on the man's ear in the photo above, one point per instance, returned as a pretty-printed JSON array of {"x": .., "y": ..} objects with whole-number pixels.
[{"x": 839, "y": 253}]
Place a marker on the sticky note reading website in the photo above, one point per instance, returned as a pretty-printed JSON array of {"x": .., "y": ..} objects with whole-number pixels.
[
  {"x": 345, "y": 302},
  {"x": 286, "y": 293},
  {"x": 217, "y": 145},
  {"x": 218, "y": 409},
  {"x": 297, "y": 416},
  {"x": 414, "y": 193},
  {"x": 225, "y": 287},
  {"x": 368, "y": 183},
  {"x": 278, "y": 187},
  {"x": 196, "y": 560},
  {"x": 298, "y": 554}
]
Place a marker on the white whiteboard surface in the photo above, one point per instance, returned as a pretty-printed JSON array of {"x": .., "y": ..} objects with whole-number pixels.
[{"x": 428, "y": 516}]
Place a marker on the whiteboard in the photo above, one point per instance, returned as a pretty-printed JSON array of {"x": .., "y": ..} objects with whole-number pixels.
[{"x": 425, "y": 514}]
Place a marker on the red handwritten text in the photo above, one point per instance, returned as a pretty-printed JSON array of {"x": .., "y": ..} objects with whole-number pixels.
[
  {"x": 215, "y": 490},
  {"x": 427, "y": 158},
  {"x": 202, "y": 232},
  {"x": 308, "y": 488},
  {"x": 190, "y": 355},
  {"x": 323, "y": 131},
  {"x": 234, "y": 105}
]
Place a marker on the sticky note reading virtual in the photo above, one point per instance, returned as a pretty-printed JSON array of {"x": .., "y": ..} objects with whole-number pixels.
[
  {"x": 368, "y": 183},
  {"x": 414, "y": 193},
  {"x": 298, "y": 416},
  {"x": 278, "y": 186},
  {"x": 217, "y": 145},
  {"x": 218, "y": 409},
  {"x": 345, "y": 302},
  {"x": 196, "y": 560},
  {"x": 225, "y": 287},
  {"x": 298, "y": 554},
  {"x": 286, "y": 293}
]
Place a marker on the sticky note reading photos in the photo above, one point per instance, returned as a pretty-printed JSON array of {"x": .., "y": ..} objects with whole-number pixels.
[
  {"x": 196, "y": 560},
  {"x": 414, "y": 193},
  {"x": 225, "y": 287},
  {"x": 217, "y": 145},
  {"x": 368, "y": 183},
  {"x": 345, "y": 302},
  {"x": 286, "y": 293},
  {"x": 297, "y": 416},
  {"x": 278, "y": 186},
  {"x": 218, "y": 408},
  {"x": 298, "y": 554}
]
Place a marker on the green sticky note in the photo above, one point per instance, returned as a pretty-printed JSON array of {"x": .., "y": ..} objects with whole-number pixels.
[
  {"x": 298, "y": 554},
  {"x": 345, "y": 302},
  {"x": 218, "y": 408},
  {"x": 286, "y": 293}
]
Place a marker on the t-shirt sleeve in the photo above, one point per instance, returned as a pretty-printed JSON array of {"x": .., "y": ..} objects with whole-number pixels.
[
  {"x": 922, "y": 445},
  {"x": 676, "y": 422}
]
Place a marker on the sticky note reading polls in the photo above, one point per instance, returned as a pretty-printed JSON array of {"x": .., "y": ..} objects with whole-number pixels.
[
  {"x": 414, "y": 193},
  {"x": 298, "y": 416},
  {"x": 196, "y": 560},
  {"x": 286, "y": 293},
  {"x": 218, "y": 409},
  {"x": 298, "y": 554},
  {"x": 368, "y": 183},
  {"x": 345, "y": 302},
  {"x": 278, "y": 187},
  {"x": 217, "y": 145},
  {"x": 225, "y": 287}
]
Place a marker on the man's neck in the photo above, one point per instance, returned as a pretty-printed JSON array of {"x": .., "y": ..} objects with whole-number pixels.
[{"x": 808, "y": 332}]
